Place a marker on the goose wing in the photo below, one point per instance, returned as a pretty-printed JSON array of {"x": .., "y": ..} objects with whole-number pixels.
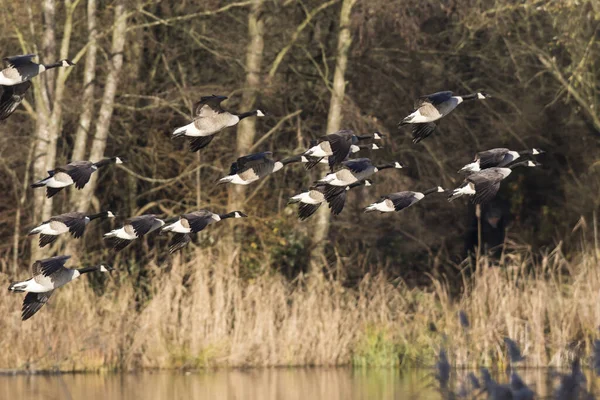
[
  {"x": 358, "y": 165},
  {"x": 199, "y": 220},
  {"x": 337, "y": 200},
  {"x": 20, "y": 60},
  {"x": 491, "y": 158},
  {"x": 305, "y": 210},
  {"x": 402, "y": 200},
  {"x": 260, "y": 163},
  {"x": 143, "y": 224},
  {"x": 340, "y": 143},
  {"x": 33, "y": 302},
  {"x": 79, "y": 171},
  {"x": 433, "y": 99},
  {"x": 487, "y": 184},
  {"x": 48, "y": 266},
  {"x": 209, "y": 106},
  {"x": 75, "y": 221},
  {"x": 11, "y": 97}
]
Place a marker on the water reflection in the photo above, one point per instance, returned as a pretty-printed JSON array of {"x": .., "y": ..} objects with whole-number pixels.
[{"x": 263, "y": 384}]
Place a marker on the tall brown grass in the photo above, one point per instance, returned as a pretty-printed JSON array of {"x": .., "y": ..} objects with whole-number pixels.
[{"x": 202, "y": 314}]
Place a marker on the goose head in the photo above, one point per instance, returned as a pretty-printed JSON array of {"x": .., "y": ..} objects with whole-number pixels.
[
  {"x": 260, "y": 113},
  {"x": 67, "y": 63},
  {"x": 239, "y": 214},
  {"x": 483, "y": 95},
  {"x": 104, "y": 268},
  {"x": 378, "y": 136}
]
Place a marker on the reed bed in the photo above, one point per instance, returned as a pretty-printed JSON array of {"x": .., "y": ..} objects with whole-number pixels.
[{"x": 203, "y": 314}]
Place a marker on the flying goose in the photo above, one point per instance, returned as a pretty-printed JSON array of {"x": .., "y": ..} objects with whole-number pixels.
[
  {"x": 20, "y": 69},
  {"x": 432, "y": 107},
  {"x": 337, "y": 146},
  {"x": 310, "y": 161},
  {"x": 253, "y": 167},
  {"x": 484, "y": 185},
  {"x": 194, "y": 222},
  {"x": 309, "y": 202},
  {"x": 48, "y": 274},
  {"x": 400, "y": 200},
  {"x": 134, "y": 228},
  {"x": 499, "y": 157},
  {"x": 73, "y": 222},
  {"x": 354, "y": 171},
  {"x": 75, "y": 172},
  {"x": 210, "y": 119}
]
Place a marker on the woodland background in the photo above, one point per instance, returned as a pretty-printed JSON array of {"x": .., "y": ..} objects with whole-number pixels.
[{"x": 315, "y": 67}]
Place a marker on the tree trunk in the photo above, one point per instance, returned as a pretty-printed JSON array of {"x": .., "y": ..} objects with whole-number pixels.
[
  {"x": 334, "y": 119},
  {"x": 246, "y": 130},
  {"x": 108, "y": 100},
  {"x": 87, "y": 100}
]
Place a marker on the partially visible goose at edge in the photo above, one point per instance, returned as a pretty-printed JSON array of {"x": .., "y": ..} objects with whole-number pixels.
[
  {"x": 310, "y": 162},
  {"x": 356, "y": 170},
  {"x": 48, "y": 274},
  {"x": 336, "y": 146},
  {"x": 250, "y": 168},
  {"x": 73, "y": 222},
  {"x": 484, "y": 185},
  {"x": 431, "y": 107},
  {"x": 499, "y": 157},
  {"x": 14, "y": 80},
  {"x": 134, "y": 228},
  {"x": 310, "y": 201},
  {"x": 400, "y": 200},
  {"x": 75, "y": 172},
  {"x": 210, "y": 119},
  {"x": 194, "y": 222}
]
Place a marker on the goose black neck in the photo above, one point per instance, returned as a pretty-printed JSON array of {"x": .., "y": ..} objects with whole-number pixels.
[
  {"x": 53, "y": 65},
  {"x": 228, "y": 215},
  {"x": 468, "y": 97},
  {"x": 85, "y": 270},
  {"x": 519, "y": 164},
  {"x": 247, "y": 114},
  {"x": 364, "y": 137},
  {"x": 356, "y": 184},
  {"x": 102, "y": 214},
  {"x": 292, "y": 159},
  {"x": 429, "y": 191},
  {"x": 385, "y": 166},
  {"x": 104, "y": 162}
]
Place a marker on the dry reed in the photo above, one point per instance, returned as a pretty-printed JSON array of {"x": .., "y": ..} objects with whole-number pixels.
[{"x": 202, "y": 314}]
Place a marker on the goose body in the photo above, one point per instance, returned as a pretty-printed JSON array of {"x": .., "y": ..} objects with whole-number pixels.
[
  {"x": 21, "y": 68},
  {"x": 133, "y": 229},
  {"x": 337, "y": 146},
  {"x": 310, "y": 201},
  {"x": 194, "y": 222},
  {"x": 311, "y": 161},
  {"x": 400, "y": 200},
  {"x": 354, "y": 171},
  {"x": 484, "y": 185},
  {"x": 73, "y": 222},
  {"x": 48, "y": 274},
  {"x": 432, "y": 107},
  {"x": 76, "y": 173},
  {"x": 499, "y": 157},
  {"x": 250, "y": 168},
  {"x": 210, "y": 119}
]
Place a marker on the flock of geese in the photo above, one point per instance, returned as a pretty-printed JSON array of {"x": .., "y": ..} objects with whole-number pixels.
[{"x": 483, "y": 176}]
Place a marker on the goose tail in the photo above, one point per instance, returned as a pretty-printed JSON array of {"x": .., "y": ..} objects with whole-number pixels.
[
  {"x": 179, "y": 132},
  {"x": 39, "y": 184}
]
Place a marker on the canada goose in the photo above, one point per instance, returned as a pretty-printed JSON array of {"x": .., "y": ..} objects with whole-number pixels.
[
  {"x": 337, "y": 146},
  {"x": 354, "y": 171},
  {"x": 20, "y": 69},
  {"x": 250, "y": 168},
  {"x": 431, "y": 107},
  {"x": 310, "y": 161},
  {"x": 309, "y": 202},
  {"x": 514, "y": 352},
  {"x": 134, "y": 228},
  {"x": 400, "y": 200},
  {"x": 484, "y": 185},
  {"x": 75, "y": 172},
  {"x": 73, "y": 222},
  {"x": 520, "y": 390},
  {"x": 499, "y": 157},
  {"x": 11, "y": 97},
  {"x": 48, "y": 274},
  {"x": 194, "y": 222},
  {"x": 210, "y": 119}
]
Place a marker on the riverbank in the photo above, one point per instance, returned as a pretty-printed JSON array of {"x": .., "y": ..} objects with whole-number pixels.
[{"x": 202, "y": 314}]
